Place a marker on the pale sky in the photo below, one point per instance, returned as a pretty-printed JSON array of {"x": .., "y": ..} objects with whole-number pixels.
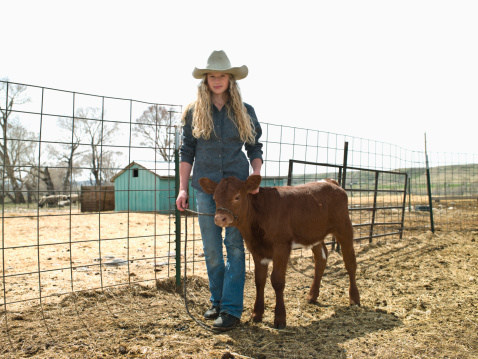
[{"x": 381, "y": 70}]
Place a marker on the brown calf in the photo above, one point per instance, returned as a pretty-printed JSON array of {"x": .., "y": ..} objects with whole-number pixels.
[{"x": 278, "y": 219}]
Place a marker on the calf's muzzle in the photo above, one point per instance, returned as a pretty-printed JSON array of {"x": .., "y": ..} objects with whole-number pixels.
[{"x": 224, "y": 219}]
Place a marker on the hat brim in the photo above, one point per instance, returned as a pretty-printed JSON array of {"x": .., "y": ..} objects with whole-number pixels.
[{"x": 238, "y": 72}]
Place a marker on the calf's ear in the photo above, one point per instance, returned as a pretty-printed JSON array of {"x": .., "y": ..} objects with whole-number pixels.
[
  {"x": 252, "y": 183},
  {"x": 208, "y": 185}
]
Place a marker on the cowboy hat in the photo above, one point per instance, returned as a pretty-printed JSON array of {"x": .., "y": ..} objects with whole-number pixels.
[{"x": 219, "y": 62}]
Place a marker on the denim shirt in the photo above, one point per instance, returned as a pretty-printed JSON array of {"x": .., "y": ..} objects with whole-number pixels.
[{"x": 221, "y": 156}]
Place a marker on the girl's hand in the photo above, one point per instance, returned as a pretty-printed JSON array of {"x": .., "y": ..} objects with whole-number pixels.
[{"x": 182, "y": 200}]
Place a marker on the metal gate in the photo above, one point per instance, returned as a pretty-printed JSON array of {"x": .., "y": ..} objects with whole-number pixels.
[{"x": 376, "y": 198}]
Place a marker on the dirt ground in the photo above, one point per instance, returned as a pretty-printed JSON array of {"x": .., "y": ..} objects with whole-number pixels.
[
  {"x": 67, "y": 251},
  {"x": 418, "y": 301}
]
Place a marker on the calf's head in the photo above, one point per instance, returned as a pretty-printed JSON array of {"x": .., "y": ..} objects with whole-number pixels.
[{"x": 229, "y": 195}]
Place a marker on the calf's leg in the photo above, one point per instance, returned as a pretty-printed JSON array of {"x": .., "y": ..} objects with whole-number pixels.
[
  {"x": 260, "y": 273},
  {"x": 346, "y": 240},
  {"x": 320, "y": 258},
  {"x": 278, "y": 283}
]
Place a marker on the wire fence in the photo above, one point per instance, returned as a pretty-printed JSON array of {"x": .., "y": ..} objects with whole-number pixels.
[{"x": 88, "y": 188}]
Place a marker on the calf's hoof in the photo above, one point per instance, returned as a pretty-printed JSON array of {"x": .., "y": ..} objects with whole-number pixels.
[
  {"x": 312, "y": 299},
  {"x": 279, "y": 325},
  {"x": 256, "y": 318},
  {"x": 355, "y": 300},
  {"x": 312, "y": 296}
]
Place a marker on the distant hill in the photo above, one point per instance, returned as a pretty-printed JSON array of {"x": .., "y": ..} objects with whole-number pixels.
[{"x": 445, "y": 180}]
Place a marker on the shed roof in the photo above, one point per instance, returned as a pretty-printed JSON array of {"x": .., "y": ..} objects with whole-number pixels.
[{"x": 157, "y": 169}]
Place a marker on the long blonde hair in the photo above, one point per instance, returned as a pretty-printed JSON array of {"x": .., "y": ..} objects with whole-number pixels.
[{"x": 202, "y": 124}]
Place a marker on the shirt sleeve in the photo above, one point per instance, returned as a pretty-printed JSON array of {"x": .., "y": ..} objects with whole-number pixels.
[
  {"x": 188, "y": 147},
  {"x": 254, "y": 150}
]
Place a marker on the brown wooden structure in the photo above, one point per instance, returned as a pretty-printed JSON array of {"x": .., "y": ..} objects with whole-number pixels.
[{"x": 97, "y": 198}]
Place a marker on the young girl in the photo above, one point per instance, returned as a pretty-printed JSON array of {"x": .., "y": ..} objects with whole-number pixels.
[{"x": 215, "y": 128}]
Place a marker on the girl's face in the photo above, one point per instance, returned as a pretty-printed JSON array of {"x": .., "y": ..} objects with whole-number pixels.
[{"x": 217, "y": 82}]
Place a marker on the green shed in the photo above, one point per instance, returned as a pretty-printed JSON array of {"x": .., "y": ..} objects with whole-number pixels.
[
  {"x": 145, "y": 188},
  {"x": 150, "y": 187}
]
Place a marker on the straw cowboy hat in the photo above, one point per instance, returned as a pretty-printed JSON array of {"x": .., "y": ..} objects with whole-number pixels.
[{"x": 219, "y": 62}]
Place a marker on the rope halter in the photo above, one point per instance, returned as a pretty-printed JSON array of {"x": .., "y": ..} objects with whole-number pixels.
[{"x": 228, "y": 211}]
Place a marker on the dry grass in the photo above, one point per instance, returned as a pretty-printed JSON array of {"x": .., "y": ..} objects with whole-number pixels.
[{"x": 418, "y": 301}]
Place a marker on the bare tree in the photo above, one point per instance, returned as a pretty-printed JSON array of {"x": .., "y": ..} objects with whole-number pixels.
[
  {"x": 31, "y": 185},
  {"x": 46, "y": 177},
  {"x": 109, "y": 165},
  {"x": 15, "y": 145},
  {"x": 97, "y": 133},
  {"x": 68, "y": 154},
  {"x": 154, "y": 127}
]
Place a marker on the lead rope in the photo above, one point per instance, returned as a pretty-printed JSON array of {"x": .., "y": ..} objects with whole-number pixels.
[{"x": 201, "y": 324}]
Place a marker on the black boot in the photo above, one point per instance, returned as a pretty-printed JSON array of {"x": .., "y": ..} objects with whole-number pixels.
[
  {"x": 225, "y": 322},
  {"x": 212, "y": 313}
]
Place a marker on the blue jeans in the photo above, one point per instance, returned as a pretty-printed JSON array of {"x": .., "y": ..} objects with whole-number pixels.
[{"x": 226, "y": 280}]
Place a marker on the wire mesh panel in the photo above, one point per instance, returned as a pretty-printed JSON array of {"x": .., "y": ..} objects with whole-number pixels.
[
  {"x": 454, "y": 186},
  {"x": 59, "y": 148},
  {"x": 61, "y": 154},
  {"x": 454, "y": 179}
]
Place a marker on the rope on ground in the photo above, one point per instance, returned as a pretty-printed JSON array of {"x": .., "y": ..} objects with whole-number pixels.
[{"x": 201, "y": 324}]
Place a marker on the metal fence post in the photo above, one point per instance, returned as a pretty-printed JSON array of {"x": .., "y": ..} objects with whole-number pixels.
[
  {"x": 177, "y": 213},
  {"x": 289, "y": 176},
  {"x": 404, "y": 203},
  {"x": 429, "y": 188},
  {"x": 374, "y": 209},
  {"x": 342, "y": 178},
  {"x": 430, "y": 202}
]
